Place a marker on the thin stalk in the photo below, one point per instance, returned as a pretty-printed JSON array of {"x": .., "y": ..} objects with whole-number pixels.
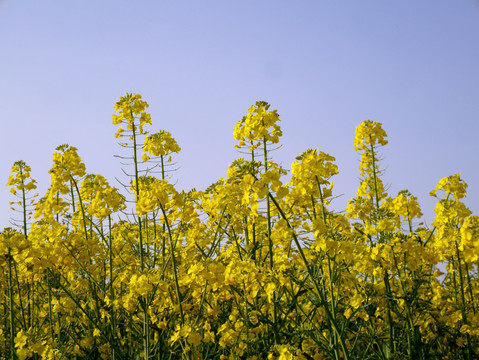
[
  {"x": 137, "y": 194},
  {"x": 388, "y": 296},
  {"x": 470, "y": 352},
  {"x": 253, "y": 255},
  {"x": 173, "y": 261},
  {"x": 375, "y": 176},
  {"x": 12, "y": 310},
  {"x": 146, "y": 335},
  {"x": 270, "y": 245},
  {"x": 331, "y": 287},
  {"x": 469, "y": 285},
  {"x": 386, "y": 275},
  {"x": 82, "y": 208},
  {"x": 25, "y": 233},
  {"x": 17, "y": 282},
  {"x": 50, "y": 311},
  {"x": 112, "y": 292},
  {"x": 73, "y": 197},
  {"x": 24, "y": 206},
  {"x": 162, "y": 168}
]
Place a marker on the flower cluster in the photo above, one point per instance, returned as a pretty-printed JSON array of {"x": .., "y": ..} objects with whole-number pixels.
[
  {"x": 159, "y": 144},
  {"x": 257, "y": 126},
  {"x": 131, "y": 108}
]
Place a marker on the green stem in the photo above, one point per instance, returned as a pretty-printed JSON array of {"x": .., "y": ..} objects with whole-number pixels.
[
  {"x": 25, "y": 232},
  {"x": 470, "y": 352},
  {"x": 12, "y": 310},
  {"x": 375, "y": 176},
  {"x": 112, "y": 292},
  {"x": 17, "y": 282},
  {"x": 330, "y": 273},
  {"x": 270, "y": 246},
  {"x": 82, "y": 208},
  {"x": 388, "y": 295},
  {"x": 24, "y": 206},
  {"x": 469, "y": 283},
  {"x": 173, "y": 261},
  {"x": 162, "y": 168},
  {"x": 137, "y": 194},
  {"x": 50, "y": 311},
  {"x": 146, "y": 337}
]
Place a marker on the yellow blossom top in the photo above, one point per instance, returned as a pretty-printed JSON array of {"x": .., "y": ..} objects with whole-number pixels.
[{"x": 258, "y": 125}]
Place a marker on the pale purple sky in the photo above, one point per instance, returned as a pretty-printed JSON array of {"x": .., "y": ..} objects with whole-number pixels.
[{"x": 325, "y": 65}]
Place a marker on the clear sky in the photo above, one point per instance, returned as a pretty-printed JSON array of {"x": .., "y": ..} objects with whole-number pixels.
[{"x": 325, "y": 65}]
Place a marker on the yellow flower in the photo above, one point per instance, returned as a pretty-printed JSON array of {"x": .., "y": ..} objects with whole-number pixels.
[
  {"x": 453, "y": 185},
  {"x": 160, "y": 144},
  {"x": 131, "y": 108},
  {"x": 258, "y": 125},
  {"x": 67, "y": 165},
  {"x": 369, "y": 133},
  {"x": 20, "y": 339},
  {"x": 194, "y": 338}
]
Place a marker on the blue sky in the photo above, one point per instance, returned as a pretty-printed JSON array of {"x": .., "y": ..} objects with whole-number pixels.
[{"x": 325, "y": 65}]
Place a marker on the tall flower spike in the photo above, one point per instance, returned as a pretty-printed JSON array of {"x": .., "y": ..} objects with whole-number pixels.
[
  {"x": 20, "y": 178},
  {"x": 369, "y": 133},
  {"x": 258, "y": 125},
  {"x": 130, "y": 108},
  {"x": 67, "y": 164},
  {"x": 21, "y": 183}
]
